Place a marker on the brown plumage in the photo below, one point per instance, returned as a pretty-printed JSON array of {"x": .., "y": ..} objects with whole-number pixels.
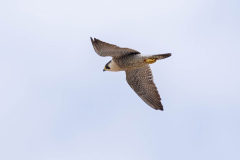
[
  {"x": 141, "y": 81},
  {"x": 137, "y": 68}
]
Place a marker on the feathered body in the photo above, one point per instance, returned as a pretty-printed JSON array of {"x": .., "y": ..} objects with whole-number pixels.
[
  {"x": 127, "y": 62},
  {"x": 138, "y": 72},
  {"x": 131, "y": 61}
]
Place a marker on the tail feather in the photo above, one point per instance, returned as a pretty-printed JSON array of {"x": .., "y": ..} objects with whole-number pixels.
[{"x": 161, "y": 56}]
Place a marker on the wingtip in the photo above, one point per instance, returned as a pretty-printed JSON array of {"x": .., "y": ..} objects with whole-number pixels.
[
  {"x": 160, "y": 107},
  {"x": 91, "y": 39},
  {"x": 94, "y": 40}
]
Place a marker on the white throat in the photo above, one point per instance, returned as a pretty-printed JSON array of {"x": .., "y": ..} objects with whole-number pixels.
[{"x": 114, "y": 67}]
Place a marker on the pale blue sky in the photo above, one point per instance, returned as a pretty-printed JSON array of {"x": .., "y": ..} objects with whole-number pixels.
[{"x": 57, "y": 104}]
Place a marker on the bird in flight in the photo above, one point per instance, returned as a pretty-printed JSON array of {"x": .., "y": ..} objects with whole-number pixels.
[{"x": 138, "y": 72}]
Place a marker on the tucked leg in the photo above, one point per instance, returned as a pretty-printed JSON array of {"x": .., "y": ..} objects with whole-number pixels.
[{"x": 150, "y": 60}]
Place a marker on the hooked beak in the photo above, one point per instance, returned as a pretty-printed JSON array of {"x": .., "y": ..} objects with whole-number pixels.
[{"x": 104, "y": 69}]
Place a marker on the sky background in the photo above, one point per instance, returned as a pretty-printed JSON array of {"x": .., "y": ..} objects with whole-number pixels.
[{"x": 57, "y": 104}]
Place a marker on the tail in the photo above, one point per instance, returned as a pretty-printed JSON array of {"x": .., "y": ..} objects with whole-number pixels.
[{"x": 161, "y": 56}]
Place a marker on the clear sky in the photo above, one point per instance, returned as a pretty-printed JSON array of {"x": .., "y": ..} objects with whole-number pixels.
[{"x": 57, "y": 104}]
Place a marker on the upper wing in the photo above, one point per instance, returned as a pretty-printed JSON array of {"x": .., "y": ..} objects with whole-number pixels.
[
  {"x": 141, "y": 81},
  {"x": 105, "y": 49}
]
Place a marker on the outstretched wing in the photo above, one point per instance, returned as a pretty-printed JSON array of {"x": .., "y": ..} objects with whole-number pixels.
[
  {"x": 105, "y": 49},
  {"x": 141, "y": 81}
]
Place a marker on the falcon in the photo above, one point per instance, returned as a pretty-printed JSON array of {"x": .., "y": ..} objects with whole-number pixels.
[{"x": 138, "y": 72}]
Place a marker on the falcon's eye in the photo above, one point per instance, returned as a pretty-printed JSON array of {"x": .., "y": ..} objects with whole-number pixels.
[{"x": 107, "y": 67}]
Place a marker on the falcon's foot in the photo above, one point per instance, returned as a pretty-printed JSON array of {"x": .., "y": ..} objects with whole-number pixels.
[{"x": 150, "y": 60}]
